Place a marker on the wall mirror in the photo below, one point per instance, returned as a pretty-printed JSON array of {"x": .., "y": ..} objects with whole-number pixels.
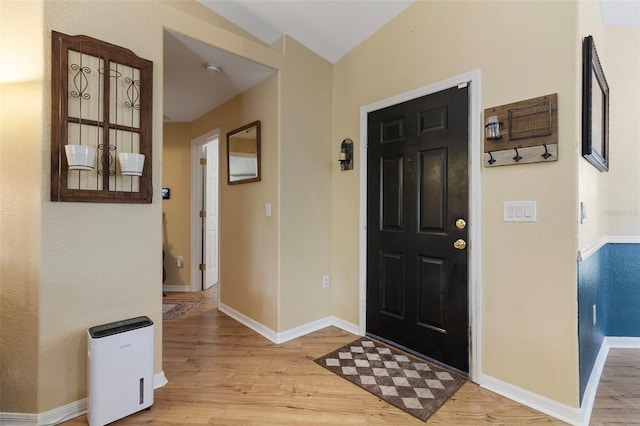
[
  {"x": 595, "y": 109},
  {"x": 243, "y": 154}
]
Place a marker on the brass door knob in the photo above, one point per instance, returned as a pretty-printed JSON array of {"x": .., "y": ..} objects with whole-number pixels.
[
  {"x": 460, "y": 244},
  {"x": 461, "y": 224}
]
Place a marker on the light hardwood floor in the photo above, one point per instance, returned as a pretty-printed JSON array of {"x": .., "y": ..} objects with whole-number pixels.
[
  {"x": 618, "y": 398},
  {"x": 222, "y": 373}
]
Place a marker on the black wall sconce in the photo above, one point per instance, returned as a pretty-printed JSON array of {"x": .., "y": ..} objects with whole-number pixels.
[{"x": 346, "y": 155}]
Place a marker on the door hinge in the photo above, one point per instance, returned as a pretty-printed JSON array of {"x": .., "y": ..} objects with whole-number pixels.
[
  {"x": 203, "y": 266},
  {"x": 203, "y": 213},
  {"x": 203, "y": 161}
]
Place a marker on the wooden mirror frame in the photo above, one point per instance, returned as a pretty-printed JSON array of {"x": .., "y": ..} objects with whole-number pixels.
[
  {"x": 595, "y": 133},
  {"x": 245, "y": 128}
]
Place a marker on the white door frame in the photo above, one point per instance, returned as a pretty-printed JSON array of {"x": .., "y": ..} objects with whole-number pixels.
[
  {"x": 475, "y": 204},
  {"x": 194, "y": 215}
]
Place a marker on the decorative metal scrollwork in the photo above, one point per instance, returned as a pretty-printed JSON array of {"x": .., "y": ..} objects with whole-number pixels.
[
  {"x": 80, "y": 81},
  {"x": 133, "y": 93},
  {"x": 106, "y": 158}
]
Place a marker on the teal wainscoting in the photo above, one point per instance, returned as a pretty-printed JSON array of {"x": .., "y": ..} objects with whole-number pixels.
[{"x": 609, "y": 279}]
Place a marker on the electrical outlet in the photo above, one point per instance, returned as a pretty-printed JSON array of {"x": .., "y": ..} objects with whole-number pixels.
[
  {"x": 325, "y": 281},
  {"x": 180, "y": 262}
]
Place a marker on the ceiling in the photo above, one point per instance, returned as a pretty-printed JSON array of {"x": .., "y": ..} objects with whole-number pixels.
[
  {"x": 330, "y": 28},
  {"x": 189, "y": 90}
]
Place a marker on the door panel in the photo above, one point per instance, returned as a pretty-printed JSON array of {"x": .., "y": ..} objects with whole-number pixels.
[
  {"x": 432, "y": 293},
  {"x": 392, "y": 205},
  {"x": 432, "y": 120},
  {"x": 392, "y": 265},
  {"x": 417, "y": 187},
  {"x": 211, "y": 221},
  {"x": 432, "y": 204}
]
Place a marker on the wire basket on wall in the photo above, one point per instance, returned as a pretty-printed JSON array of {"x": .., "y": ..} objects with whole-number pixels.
[{"x": 530, "y": 122}]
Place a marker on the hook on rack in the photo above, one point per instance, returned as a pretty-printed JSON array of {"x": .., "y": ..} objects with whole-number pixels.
[
  {"x": 546, "y": 152},
  {"x": 517, "y": 158},
  {"x": 491, "y": 159}
]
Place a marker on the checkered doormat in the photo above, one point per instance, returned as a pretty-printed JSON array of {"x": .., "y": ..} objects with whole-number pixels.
[{"x": 407, "y": 382}]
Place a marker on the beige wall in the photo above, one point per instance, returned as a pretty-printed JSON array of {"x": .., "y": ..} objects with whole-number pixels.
[
  {"x": 93, "y": 269},
  {"x": 248, "y": 239},
  {"x": 592, "y": 183},
  {"x": 98, "y": 262},
  {"x": 20, "y": 157},
  {"x": 622, "y": 69},
  {"x": 176, "y": 175},
  {"x": 524, "y": 49},
  {"x": 21, "y": 172},
  {"x": 612, "y": 208},
  {"x": 305, "y": 186}
]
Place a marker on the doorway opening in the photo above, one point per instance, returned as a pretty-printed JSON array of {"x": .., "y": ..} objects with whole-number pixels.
[
  {"x": 205, "y": 240},
  {"x": 473, "y": 81}
]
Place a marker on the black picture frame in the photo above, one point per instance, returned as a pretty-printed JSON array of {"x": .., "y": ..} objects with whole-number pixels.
[{"x": 595, "y": 108}]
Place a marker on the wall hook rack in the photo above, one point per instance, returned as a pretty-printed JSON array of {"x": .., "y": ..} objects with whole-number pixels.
[{"x": 530, "y": 129}]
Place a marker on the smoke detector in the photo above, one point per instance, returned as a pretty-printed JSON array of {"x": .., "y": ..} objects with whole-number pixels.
[{"x": 212, "y": 68}]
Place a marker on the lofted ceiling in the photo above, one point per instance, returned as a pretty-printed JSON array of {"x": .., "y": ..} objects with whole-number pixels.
[{"x": 331, "y": 28}]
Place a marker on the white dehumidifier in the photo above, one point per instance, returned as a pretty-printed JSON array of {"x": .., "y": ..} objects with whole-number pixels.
[{"x": 120, "y": 369}]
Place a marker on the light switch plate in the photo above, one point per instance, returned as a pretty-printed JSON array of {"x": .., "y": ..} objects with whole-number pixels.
[
  {"x": 583, "y": 212},
  {"x": 519, "y": 211}
]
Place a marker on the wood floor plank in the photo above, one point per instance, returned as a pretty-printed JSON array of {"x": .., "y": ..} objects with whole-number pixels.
[
  {"x": 618, "y": 397},
  {"x": 222, "y": 373}
]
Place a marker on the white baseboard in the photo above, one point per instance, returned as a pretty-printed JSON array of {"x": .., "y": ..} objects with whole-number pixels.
[
  {"x": 254, "y": 325},
  {"x": 302, "y": 330},
  {"x": 347, "y": 326},
  {"x": 305, "y": 329},
  {"x": 64, "y": 413},
  {"x": 61, "y": 414},
  {"x": 589, "y": 397},
  {"x": 159, "y": 380},
  {"x": 622, "y": 342},
  {"x": 563, "y": 412},
  {"x": 292, "y": 333},
  {"x": 18, "y": 419},
  {"x": 537, "y": 402},
  {"x": 176, "y": 288}
]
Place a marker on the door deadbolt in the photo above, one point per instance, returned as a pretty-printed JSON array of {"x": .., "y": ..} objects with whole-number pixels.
[
  {"x": 460, "y": 244},
  {"x": 461, "y": 224}
]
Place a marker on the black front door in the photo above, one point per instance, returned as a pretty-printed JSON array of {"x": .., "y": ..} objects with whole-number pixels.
[{"x": 417, "y": 209}]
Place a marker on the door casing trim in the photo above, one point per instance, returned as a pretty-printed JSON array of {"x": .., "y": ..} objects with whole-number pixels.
[
  {"x": 475, "y": 204},
  {"x": 196, "y": 190}
]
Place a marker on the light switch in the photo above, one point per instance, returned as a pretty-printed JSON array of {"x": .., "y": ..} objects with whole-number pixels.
[
  {"x": 519, "y": 211},
  {"x": 267, "y": 210}
]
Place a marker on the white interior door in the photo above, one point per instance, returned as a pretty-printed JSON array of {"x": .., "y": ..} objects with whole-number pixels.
[{"x": 211, "y": 234}]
